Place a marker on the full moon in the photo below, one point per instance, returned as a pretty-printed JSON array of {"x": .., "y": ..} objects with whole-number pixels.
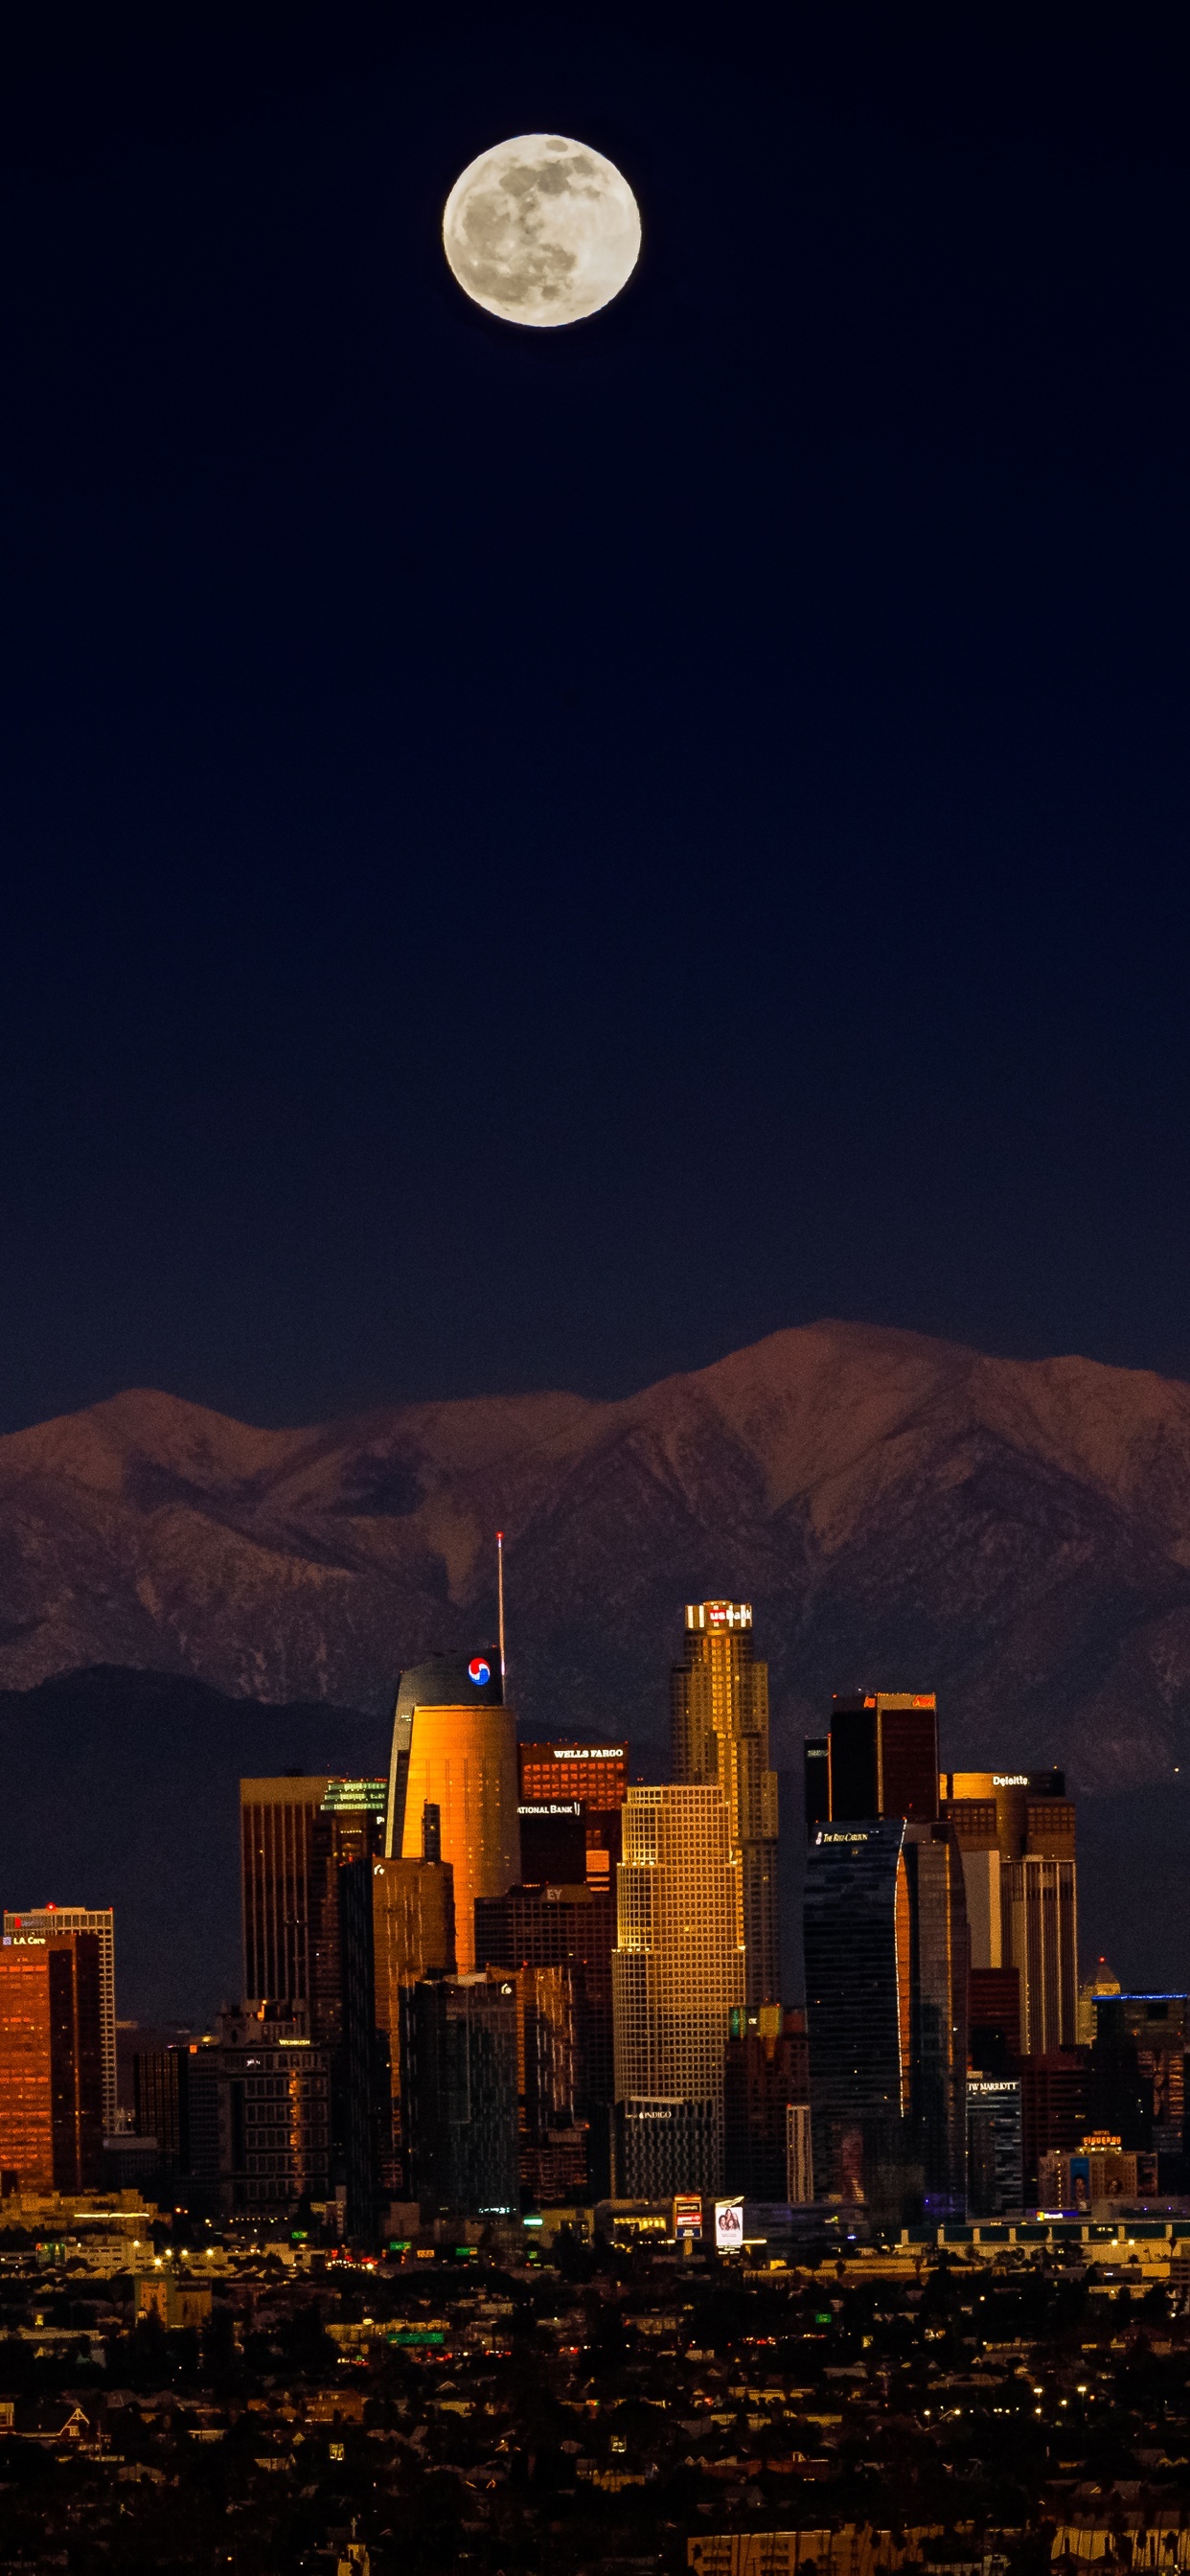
[{"x": 541, "y": 230}]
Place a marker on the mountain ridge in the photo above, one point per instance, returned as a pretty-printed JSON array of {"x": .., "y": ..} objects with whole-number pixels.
[{"x": 1015, "y": 1533}]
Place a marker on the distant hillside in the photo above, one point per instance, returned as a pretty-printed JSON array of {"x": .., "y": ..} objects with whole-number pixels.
[{"x": 1016, "y": 1535}]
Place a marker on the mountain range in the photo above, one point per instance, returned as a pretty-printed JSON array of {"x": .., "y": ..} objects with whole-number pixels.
[
  {"x": 899, "y": 1510},
  {"x": 183, "y": 1599}
]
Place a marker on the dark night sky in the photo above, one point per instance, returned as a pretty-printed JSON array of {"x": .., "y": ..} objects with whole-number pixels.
[{"x": 537, "y": 858}]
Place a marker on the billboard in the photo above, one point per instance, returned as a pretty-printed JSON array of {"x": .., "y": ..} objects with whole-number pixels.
[
  {"x": 729, "y": 2226},
  {"x": 687, "y": 2215}
]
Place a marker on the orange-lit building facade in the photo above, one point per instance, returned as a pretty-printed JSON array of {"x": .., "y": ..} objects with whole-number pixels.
[
  {"x": 719, "y": 1716},
  {"x": 463, "y": 1762},
  {"x": 49, "y": 1919},
  {"x": 51, "y": 2061},
  {"x": 26, "y": 2100}
]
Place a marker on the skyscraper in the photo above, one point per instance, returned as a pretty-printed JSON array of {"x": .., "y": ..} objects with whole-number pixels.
[
  {"x": 99, "y": 1919},
  {"x": 413, "y": 1933},
  {"x": 308, "y": 1843},
  {"x": 719, "y": 1708},
  {"x": 1040, "y": 1931},
  {"x": 551, "y": 2142},
  {"x": 994, "y": 2171},
  {"x": 553, "y": 1842},
  {"x": 1015, "y": 1831},
  {"x": 766, "y": 2074},
  {"x": 596, "y": 1777},
  {"x": 177, "y": 2102},
  {"x": 276, "y": 1824},
  {"x": 461, "y": 2095},
  {"x": 348, "y": 1827},
  {"x": 595, "y": 1773},
  {"x": 677, "y": 1971},
  {"x": 1138, "y": 2072},
  {"x": 439, "y": 1681},
  {"x": 51, "y": 2060},
  {"x": 886, "y": 2007},
  {"x": 454, "y": 1749},
  {"x": 571, "y": 1928},
  {"x": 294, "y": 1831},
  {"x": 272, "y": 2101},
  {"x": 883, "y": 1756}
]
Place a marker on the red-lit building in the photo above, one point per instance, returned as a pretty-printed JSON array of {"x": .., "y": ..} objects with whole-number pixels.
[
  {"x": 51, "y": 2060},
  {"x": 596, "y": 1773}
]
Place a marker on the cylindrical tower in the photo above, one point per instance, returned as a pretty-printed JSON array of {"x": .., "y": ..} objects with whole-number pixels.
[{"x": 462, "y": 1760}]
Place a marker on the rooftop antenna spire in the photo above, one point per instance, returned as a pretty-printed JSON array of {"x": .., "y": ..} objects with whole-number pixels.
[{"x": 500, "y": 1595}]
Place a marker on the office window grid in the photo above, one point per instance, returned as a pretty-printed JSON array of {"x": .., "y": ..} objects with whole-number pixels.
[
  {"x": 44, "y": 1920},
  {"x": 26, "y": 2118},
  {"x": 1039, "y": 1916},
  {"x": 598, "y": 1779},
  {"x": 276, "y": 1824},
  {"x": 679, "y": 1962},
  {"x": 719, "y": 1705}
]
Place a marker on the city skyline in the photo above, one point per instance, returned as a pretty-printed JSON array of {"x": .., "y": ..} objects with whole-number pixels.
[
  {"x": 633, "y": 1981},
  {"x": 595, "y": 1385}
]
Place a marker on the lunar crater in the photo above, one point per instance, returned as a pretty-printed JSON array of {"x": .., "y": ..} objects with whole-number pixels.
[{"x": 540, "y": 239}]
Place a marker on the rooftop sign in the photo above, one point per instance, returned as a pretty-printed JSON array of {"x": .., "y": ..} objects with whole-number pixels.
[{"x": 588, "y": 1752}]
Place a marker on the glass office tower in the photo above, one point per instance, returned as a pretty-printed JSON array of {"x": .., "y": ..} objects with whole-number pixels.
[{"x": 886, "y": 2003}]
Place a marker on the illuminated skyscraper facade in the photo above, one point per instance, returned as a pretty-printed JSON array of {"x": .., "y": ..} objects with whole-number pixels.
[
  {"x": 440, "y": 1681},
  {"x": 597, "y": 1774},
  {"x": 719, "y": 1711},
  {"x": 51, "y": 2060},
  {"x": 460, "y": 1759},
  {"x": 1016, "y": 1832},
  {"x": 677, "y": 1973},
  {"x": 47, "y": 1920}
]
